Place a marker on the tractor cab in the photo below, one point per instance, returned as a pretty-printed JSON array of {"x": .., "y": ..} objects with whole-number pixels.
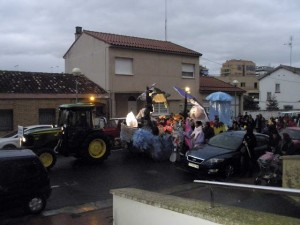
[
  {"x": 77, "y": 124},
  {"x": 76, "y": 115}
]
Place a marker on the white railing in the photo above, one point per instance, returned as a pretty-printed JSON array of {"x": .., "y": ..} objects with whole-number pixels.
[{"x": 249, "y": 187}]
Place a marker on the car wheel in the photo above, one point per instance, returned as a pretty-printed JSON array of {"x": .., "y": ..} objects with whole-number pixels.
[
  {"x": 257, "y": 181},
  {"x": 228, "y": 171},
  {"x": 35, "y": 204},
  {"x": 9, "y": 147}
]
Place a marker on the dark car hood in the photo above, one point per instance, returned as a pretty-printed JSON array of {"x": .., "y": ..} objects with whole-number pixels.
[{"x": 208, "y": 151}]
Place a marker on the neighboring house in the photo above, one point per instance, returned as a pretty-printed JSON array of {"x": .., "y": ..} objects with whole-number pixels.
[
  {"x": 28, "y": 98},
  {"x": 262, "y": 70},
  {"x": 249, "y": 83},
  {"x": 209, "y": 84},
  {"x": 283, "y": 83},
  {"x": 124, "y": 66},
  {"x": 238, "y": 68}
]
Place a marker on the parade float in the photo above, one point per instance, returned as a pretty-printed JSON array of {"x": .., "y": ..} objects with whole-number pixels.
[{"x": 160, "y": 137}]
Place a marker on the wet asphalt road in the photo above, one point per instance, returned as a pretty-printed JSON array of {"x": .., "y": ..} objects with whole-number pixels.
[
  {"x": 75, "y": 182},
  {"x": 79, "y": 185}
]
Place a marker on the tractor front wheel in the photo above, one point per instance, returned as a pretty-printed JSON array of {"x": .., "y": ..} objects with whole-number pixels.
[
  {"x": 47, "y": 157},
  {"x": 96, "y": 147}
]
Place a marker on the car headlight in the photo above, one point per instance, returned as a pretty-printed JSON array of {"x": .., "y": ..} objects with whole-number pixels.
[{"x": 213, "y": 161}]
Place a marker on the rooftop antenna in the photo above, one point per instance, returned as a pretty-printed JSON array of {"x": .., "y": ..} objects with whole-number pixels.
[
  {"x": 166, "y": 15},
  {"x": 290, "y": 44}
]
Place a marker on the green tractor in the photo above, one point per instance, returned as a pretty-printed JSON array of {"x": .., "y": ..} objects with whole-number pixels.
[{"x": 74, "y": 135}]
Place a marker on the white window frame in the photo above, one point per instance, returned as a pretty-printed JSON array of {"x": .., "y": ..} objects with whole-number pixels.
[
  {"x": 160, "y": 109},
  {"x": 187, "y": 70},
  {"x": 123, "y": 66}
]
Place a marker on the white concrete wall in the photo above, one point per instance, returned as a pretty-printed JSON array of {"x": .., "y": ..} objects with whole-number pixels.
[
  {"x": 130, "y": 212},
  {"x": 138, "y": 207}
]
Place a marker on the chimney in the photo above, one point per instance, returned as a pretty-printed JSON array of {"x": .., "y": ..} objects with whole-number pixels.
[{"x": 78, "y": 32}]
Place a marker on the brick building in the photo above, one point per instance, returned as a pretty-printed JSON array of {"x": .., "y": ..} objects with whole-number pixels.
[{"x": 28, "y": 98}]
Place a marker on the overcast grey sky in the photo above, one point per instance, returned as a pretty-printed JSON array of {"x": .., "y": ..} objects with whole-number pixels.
[{"x": 35, "y": 34}]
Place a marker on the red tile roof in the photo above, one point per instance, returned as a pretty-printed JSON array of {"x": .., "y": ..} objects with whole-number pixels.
[
  {"x": 141, "y": 43},
  {"x": 212, "y": 84},
  {"x": 46, "y": 83}
]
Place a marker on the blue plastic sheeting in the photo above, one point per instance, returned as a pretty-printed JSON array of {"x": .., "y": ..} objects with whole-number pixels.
[
  {"x": 219, "y": 96},
  {"x": 222, "y": 110},
  {"x": 157, "y": 147},
  {"x": 220, "y": 105}
]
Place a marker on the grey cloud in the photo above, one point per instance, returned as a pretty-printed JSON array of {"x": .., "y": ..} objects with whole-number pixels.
[{"x": 33, "y": 31}]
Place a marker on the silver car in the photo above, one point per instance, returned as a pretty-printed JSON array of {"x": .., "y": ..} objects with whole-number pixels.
[{"x": 12, "y": 139}]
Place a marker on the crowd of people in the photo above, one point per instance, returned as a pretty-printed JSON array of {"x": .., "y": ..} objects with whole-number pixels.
[
  {"x": 279, "y": 145},
  {"x": 197, "y": 133}
]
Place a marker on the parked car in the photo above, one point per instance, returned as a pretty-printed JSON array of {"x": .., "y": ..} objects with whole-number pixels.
[
  {"x": 294, "y": 133},
  {"x": 24, "y": 181},
  {"x": 222, "y": 154},
  {"x": 12, "y": 140},
  {"x": 113, "y": 128}
]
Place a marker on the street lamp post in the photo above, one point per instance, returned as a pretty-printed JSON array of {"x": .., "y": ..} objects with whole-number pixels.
[
  {"x": 76, "y": 72},
  {"x": 187, "y": 91},
  {"x": 235, "y": 82}
]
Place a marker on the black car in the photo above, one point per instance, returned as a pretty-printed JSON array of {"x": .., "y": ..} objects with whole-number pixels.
[
  {"x": 222, "y": 154},
  {"x": 24, "y": 181}
]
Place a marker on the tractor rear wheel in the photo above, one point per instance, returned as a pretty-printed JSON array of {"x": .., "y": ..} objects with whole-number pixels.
[{"x": 96, "y": 147}]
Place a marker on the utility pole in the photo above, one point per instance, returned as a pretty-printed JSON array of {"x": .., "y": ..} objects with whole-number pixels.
[
  {"x": 166, "y": 20},
  {"x": 290, "y": 44}
]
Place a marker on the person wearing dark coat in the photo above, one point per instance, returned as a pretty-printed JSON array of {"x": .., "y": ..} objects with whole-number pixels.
[
  {"x": 208, "y": 132},
  {"x": 248, "y": 156},
  {"x": 285, "y": 146},
  {"x": 235, "y": 126},
  {"x": 258, "y": 123}
]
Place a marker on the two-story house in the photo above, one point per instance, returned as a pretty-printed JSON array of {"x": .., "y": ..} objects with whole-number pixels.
[
  {"x": 124, "y": 66},
  {"x": 282, "y": 84}
]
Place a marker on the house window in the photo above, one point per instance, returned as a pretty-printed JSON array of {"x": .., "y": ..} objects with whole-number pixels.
[
  {"x": 288, "y": 107},
  {"x": 6, "y": 119},
  {"x": 132, "y": 104},
  {"x": 277, "y": 88},
  {"x": 47, "y": 116},
  {"x": 255, "y": 85},
  {"x": 188, "y": 70},
  {"x": 124, "y": 66},
  {"x": 243, "y": 84},
  {"x": 160, "y": 109},
  {"x": 269, "y": 95}
]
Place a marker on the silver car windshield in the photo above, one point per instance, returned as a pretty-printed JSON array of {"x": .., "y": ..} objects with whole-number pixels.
[{"x": 229, "y": 142}]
